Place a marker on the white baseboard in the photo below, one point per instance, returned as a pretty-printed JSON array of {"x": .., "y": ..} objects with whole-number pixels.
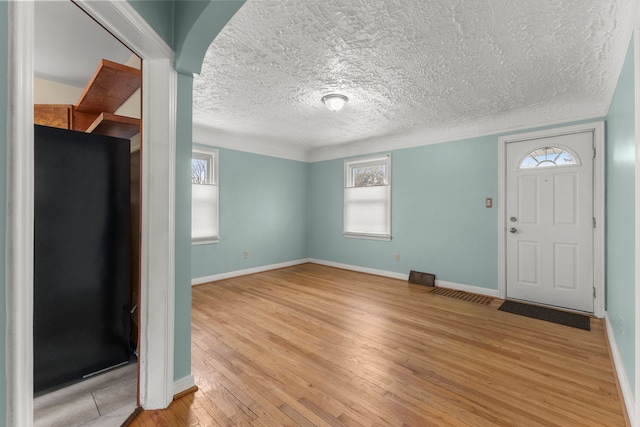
[
  {"x": 384, "y": 273},
  {"x": 402, "y": 276},
  {"x": 627, "y": 393},
  {"x": 183, "y": 384},
  {"x": 237, "y": 273}
]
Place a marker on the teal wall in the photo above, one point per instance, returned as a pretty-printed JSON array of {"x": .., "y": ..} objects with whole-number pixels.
[
  {"x": 3, "y": 204},
  {"x": 182, "y": 337},
  {"x": 189, "y": 26},
  {"x": 263, "y": 210},
  {"x": 159, "y": 14},
  {"x": 439, "y": 220},
  {"x": 620, "y": 206},
  {"x": 196, "y": 24}
]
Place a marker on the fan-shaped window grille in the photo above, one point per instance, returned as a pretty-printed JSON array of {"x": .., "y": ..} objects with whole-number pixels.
[{"x": 549, "y": 157}]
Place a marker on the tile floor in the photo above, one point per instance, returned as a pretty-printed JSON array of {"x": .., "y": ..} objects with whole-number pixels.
[{"x": 105, "y": 400}]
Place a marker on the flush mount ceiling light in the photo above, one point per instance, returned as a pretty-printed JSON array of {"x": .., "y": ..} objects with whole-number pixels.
[{"x": 334, "y": 101}]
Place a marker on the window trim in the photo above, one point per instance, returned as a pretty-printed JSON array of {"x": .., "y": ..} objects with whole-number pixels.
[
  {"x": 573, "y": 154},
  {"x": 349, "y": 165},
  {"x": 212, "y": 155}
]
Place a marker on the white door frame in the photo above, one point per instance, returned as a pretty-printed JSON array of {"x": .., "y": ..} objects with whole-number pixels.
[
  {"x": 159, "y": 86},
  {"x": 598, "y": 200},
  {"x": 633, "y": 405}
]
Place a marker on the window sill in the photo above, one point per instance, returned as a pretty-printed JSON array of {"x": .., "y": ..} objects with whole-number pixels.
[
  {"x": 205, "y": 241},
  {"x": 383, "y": 237}
]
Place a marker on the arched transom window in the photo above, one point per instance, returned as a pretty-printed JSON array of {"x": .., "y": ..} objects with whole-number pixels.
[{"x": 549, "y": 157}]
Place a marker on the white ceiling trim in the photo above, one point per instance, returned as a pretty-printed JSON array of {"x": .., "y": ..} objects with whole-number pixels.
[
  {"x": 206, "y": 135},
  {"x": 256, "y": 144},
  {"x": 497, "y": 126}
]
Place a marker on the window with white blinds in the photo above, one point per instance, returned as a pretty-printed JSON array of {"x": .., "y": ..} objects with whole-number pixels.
[
  {"x": 204, "y": 196},
  {"x": 367, "y": 198}
]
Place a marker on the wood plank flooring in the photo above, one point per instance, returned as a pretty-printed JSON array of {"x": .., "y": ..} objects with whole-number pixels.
[{"x": 312, "y": 345}]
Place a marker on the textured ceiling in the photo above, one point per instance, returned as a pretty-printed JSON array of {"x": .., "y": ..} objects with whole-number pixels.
[{"x": 413, "y": 67}]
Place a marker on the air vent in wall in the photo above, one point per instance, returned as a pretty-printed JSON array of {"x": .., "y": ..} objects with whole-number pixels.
[{"x": 426, "y": 279}]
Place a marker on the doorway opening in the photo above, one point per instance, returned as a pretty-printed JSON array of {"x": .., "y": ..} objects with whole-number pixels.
[
  {"x": 156, "y": 385},
  {"x": 87, "y": 108},
  {"x": 523, "y": 273}
]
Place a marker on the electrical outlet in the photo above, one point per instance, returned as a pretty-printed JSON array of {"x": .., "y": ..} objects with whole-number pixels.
[
  {"x": 488, "y": 202},
  {"x": 246, "y": 254},
  {"x": 396, "y": 257}
]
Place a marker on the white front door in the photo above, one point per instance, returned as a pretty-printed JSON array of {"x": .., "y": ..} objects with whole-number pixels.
[{"x": 549, "y": 221}]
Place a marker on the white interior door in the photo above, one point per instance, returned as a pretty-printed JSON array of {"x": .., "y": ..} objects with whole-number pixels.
[{"x": 549, "y": 221}]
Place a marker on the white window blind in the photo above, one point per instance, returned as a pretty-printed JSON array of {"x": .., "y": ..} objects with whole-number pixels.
[
  {"x": 204, "y": 196},
  {"x": 367, "y": 198}
]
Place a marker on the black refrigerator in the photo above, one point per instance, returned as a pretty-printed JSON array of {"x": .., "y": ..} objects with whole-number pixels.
[{"x": 81, "y": 255}]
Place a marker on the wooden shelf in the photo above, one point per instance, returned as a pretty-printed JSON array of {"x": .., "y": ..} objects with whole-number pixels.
[
  {"x": 110, "y": 86},
  {"x": 114, "y": 125}
]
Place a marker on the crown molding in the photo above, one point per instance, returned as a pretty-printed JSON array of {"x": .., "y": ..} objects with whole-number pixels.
[
  {"x": 500, "y": 125},
  {"x": 256, "y": 144}
]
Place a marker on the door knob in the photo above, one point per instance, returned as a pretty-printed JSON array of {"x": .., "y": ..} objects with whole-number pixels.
[{"x": 513, "y": 230}]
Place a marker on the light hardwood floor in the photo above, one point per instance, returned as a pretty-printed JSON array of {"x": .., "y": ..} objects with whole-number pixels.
[{"x": 317, "y": 346}]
